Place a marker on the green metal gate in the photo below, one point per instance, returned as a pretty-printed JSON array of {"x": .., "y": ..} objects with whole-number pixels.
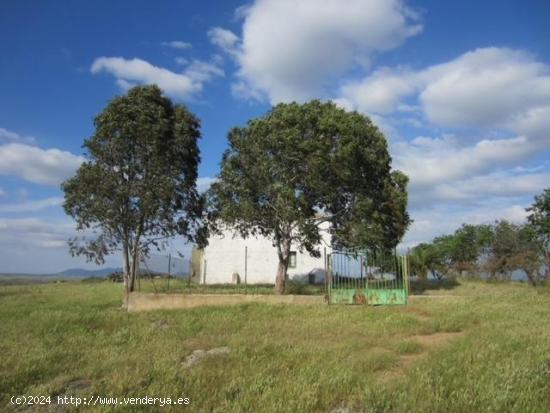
[{"x": 373, "y": 278}]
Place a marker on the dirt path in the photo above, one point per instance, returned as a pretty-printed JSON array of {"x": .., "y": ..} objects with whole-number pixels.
[{"x": 428, "y": 342}]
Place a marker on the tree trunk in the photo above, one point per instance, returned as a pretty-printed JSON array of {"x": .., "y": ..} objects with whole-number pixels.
[
  {"x": 281, "y": 277},
  {"x": 531, "y": 277},
  {"x": 135, "y": 262},
  {"x": 131, "y": 281},
  {"x": 135, "y": 259},
  {"x": 126, "y": 269}
]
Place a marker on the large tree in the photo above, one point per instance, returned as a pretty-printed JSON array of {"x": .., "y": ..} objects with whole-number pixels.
[
  {"x": 138, "y": 186},
  {"x": 299, "y": 165}
]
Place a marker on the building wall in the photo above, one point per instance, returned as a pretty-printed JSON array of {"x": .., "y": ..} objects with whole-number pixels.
[{"x": 225, "y": 255}]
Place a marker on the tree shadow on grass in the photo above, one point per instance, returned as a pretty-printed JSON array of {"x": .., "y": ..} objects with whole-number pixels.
[{"x": 420, "y": 286}]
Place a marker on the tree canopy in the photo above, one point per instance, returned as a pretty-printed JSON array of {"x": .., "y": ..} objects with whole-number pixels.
[
  {"x": 303, "y": 164},
  {"x": 138, "y": 186}
]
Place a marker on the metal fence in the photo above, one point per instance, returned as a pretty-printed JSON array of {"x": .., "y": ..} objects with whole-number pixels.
[
  {"x": 163, "y": 268},
  {"x": 173, "y": 273},
  {"x": 367, "y": 278}
]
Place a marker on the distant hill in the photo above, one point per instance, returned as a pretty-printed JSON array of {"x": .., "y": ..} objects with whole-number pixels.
[
  {"x": 70, "y": 273},
  {"x": 155, "y": 265},
  {"x": 81, "y": 272}
]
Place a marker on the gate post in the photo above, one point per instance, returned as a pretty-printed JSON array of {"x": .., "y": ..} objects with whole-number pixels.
[
  {"x": 328, "y": 276},
  {"x": 406, "y": 276}
]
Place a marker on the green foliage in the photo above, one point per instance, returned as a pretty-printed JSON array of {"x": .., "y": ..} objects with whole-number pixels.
[
  {"x": 301, "y": 165},
  {"x": 539, "y": 218},
  {"x": 539, "y": 215},
  {"x": 115, "y": 277},
  {"x": 459, "y": 252},
  {"x": 300, "y": 288},
  {"x": 424, "y": 259},
  {"x": 514, "y": 247},
  {"x": 138, "y": 186}
]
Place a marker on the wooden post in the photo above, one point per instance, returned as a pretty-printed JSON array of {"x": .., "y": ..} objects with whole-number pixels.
[{"x": 245, "y": 269}]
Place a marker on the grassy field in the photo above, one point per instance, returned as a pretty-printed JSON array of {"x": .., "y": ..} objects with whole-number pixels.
[{"x": 479, "y": 347}]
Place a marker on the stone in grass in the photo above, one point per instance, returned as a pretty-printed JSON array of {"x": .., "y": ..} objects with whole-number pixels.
[
  {"x": 197, "y": 355},
  {"x": 71, "y": 388},
  {"x": 162, "y": 324},
  {"x": 79, "y": 384}
]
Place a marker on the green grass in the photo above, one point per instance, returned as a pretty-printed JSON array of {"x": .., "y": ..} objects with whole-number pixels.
[{"x": 283, "y": 358}]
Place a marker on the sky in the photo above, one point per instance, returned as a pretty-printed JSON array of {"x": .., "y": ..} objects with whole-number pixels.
[{"x": 461, "y": 90}]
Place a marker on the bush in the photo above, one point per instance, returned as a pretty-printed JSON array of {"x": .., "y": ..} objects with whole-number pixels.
[
  {"x": 115, "y": 277},
  {"x": 296, "y": 288},
  {"x": 92, "y": 279}
]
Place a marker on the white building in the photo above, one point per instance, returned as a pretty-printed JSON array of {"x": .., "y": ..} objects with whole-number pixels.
[{"x": 229, "y": 258}]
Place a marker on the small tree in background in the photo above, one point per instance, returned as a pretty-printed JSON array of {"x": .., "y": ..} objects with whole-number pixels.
[
  {"x": 514, "y": 247},
  {"x": 138, "y": 186},
  {"x": 425, "y": 259},
  {"x": 539, "y": 219},
  {"x": 300, "y": 165},
  {"x": 498, "y": 249},
  {"x": 459, "y": 253}
]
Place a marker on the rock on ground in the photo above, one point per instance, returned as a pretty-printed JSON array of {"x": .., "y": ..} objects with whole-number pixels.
[{"x": 196, "y": 356}]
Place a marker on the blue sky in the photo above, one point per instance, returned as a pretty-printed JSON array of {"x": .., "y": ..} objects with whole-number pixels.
[{"x": 461, "y": 89}]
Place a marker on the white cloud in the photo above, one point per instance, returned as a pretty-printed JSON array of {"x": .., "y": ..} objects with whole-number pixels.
[
  {"x": 34, "y": 231},
  {"x": 201, "y": 71},
  {"x": 534, "y": 123},
  {"x": 242, "y": 90},
  {"x": 486, "y": 87},
  {"x": 9, "y": 136},
  {"x": 499, "y": 99},
  {"x": 292, "y": 50},
  {"x": 380, "y": 92},
  {"x": 39, "y": 246},
  {"x": 124, "y": 84},
  {"x": 452, "y": 183},
  {"x": 177, "y": 44},
  {"x": 489, "y": 87},
  {"x": 130, "y": 72},
  {"x": 466, "y": 192},
  {"x": 42, "y": 166},
  {"x": 2, "y": 192},
  {"x": 181, "y": 61},
  {"x": 432, "y": 161},
  {"x": 225, "y": 39},
  {"x": 32, "y": 206},
  {"x": 204, "y": 182},
  {"x": 432, "y": 222}
]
